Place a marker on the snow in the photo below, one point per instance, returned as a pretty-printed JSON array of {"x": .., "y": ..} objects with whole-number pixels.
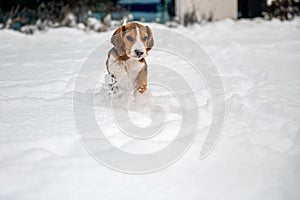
[
  {"x": 269, "y": 2},
  {"x": 257, "y": 156}
]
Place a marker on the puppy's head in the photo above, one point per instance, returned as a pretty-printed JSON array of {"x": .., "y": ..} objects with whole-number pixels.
[{"x": 133, "y": 40}]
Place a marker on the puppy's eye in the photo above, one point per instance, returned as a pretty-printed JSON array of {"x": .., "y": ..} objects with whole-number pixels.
[
  {"x": 129, "y": 38},
  {"x": 145, "y": 38}
]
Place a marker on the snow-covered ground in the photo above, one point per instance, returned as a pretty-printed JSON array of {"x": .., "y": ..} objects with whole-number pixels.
[{"x": 257, "y": 157}]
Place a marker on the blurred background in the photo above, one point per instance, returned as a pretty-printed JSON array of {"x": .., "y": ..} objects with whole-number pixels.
[{"x": 101, "y": 15}]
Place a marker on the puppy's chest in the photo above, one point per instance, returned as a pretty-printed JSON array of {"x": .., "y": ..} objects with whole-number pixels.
[
  {"x": 127, "y": 69},
  {"x": 133, "y": 67}
]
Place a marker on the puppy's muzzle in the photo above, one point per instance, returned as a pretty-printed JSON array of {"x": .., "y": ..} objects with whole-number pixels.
[{"x": 139, "y": 53}]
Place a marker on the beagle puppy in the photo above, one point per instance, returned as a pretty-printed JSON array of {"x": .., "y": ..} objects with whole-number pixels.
[{"x": 126, "y": 60}]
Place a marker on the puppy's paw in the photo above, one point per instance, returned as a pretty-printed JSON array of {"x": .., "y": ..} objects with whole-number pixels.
[{"x": 142, "y": 88}]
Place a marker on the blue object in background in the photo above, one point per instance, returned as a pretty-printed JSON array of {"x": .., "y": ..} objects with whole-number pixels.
[
  {"x": 16, "y": 26},
  {"x": 147, "y": 10}
]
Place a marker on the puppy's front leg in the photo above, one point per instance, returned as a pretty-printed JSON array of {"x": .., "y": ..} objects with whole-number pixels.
[{"x": 141, "y": 81}]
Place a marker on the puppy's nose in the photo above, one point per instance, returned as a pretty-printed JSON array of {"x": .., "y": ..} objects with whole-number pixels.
[{"x": 138, "y": 52}]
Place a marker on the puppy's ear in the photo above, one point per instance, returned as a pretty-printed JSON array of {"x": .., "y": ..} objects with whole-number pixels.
[
  {"x": 150, "y": 43},
  {"x": 117, "y": 41}
]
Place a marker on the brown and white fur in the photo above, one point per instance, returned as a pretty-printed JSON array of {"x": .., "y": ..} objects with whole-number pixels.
[{"x": 126, "y": 60}]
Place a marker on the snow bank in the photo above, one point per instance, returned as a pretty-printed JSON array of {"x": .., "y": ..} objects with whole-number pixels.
[{"x": 258, "y": 156}]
